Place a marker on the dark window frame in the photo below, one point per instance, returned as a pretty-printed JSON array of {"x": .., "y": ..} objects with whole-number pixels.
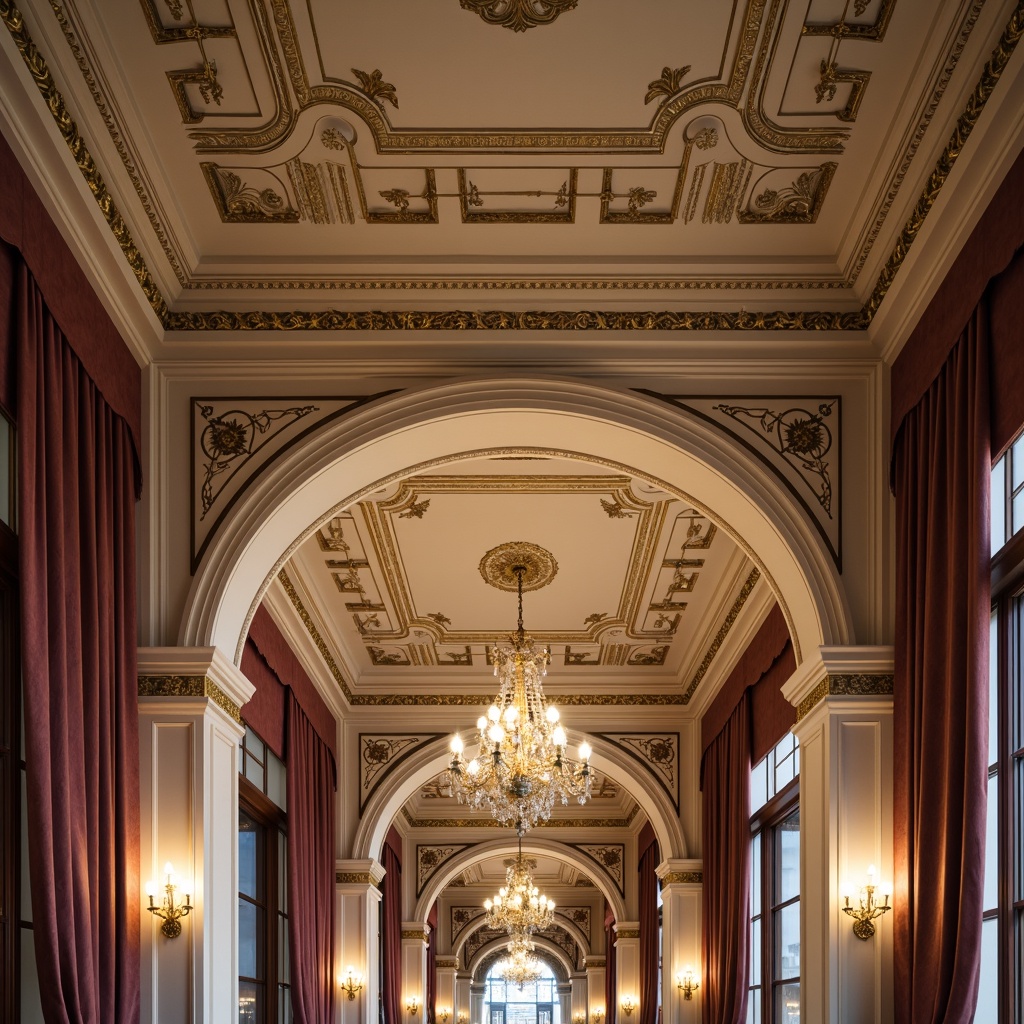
[{"x": 274, "y": 824}]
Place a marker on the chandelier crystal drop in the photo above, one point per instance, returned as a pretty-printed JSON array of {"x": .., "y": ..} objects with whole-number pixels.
[
  {"x": 520, "y": 767},
  {"x": 519, "y": 907}
]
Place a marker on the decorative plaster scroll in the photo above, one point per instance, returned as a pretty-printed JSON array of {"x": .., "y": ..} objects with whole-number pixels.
[
  {"x": 799, "y": 438},
  {"x": 233, "y": 440},
  {"x": 683, "y": 878},
  {"x": 860, "y": 685},
  {"x": 381, "y": 753},
  {"x": 462, "y": 917},
  {"x": 189, "y": 686},
  {"x": 658, "y": 752},
  {"x": 430, "y": 858},
  {"x": 579, "y": 916},
  {"x": 609, "y": 857}
]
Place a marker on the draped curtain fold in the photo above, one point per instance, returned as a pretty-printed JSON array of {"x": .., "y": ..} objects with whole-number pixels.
[
  {"x": 941, "y": 467},
  {"x": 311, "y": 795},
  {"x": 76, "y": 517},
  {"x": 432, "y": 963},
  {"x": 725, "y": 783},
  {"x": 650, "y": 944},
  {"x": 610, "y": 985},
  {"x": 391, "y": 989}
]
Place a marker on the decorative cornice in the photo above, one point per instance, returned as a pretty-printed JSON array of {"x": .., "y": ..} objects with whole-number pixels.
[
  {"x": 627, "y": 933},
  {"x": 596, "y": 961},
  {"x": 491, "y": 823},
  {"x": 353, "y": 878},
  {"x": 447, "y": 962},
  {"x": 414, "y": 933},
  {"x": 189, "y": 686},
  {"x": 845, "y": 685}
]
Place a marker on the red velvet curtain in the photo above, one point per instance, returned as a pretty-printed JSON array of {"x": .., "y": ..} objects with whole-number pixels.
[
  {"x": 610, "y": 986},
  {"x": 650, "y": 945},
  {"x": 941, "y": 467},
  {"x": 725, "y": 783},
  {"x": 432, "y": 963},
  {"x": 76, "y": 520},
  {"x": 311, "y": 795},
  {"x": 391, "y": 989}
]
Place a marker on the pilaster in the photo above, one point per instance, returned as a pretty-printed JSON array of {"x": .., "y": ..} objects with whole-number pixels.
[
  {"x": 844, "y": 725},
  {"x": 447, "y": 971},
  {"x": 190, "y": 727},
  {"x": 682, "y": 884},
  {"x": 627, "y": 968},
  {"x": 357, "y": 935},
  {"x": 415, "y": 935},
  {"x": 596, "y": 969}
]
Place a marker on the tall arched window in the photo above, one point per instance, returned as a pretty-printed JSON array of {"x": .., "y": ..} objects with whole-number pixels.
[{"x": 535, "y": 1003}]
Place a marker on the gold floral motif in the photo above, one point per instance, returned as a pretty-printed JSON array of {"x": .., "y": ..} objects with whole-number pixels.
[
  {"x": 497, "y": 564},
  {"x": 375, "y": 87},
  {"x": 518, "y": 15},
  {"x": 189, "y": 686},
  {"x": 853, "y": 684},
  {"x": 668, "y": 85},
  {"x": 683, "y": 878},
  {"x": 627, "y": 933},
  {"x": 799, "y": 203},
  {"x": 352, "y": 878},
  {"x": 239, "y": 203}
]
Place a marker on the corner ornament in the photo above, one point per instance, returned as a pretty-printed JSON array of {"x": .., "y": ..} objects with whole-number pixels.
[{"x": 518, "y": 15}]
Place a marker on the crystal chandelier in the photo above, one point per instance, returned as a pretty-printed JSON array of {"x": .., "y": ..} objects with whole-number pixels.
[
  {"x": 521, "y": 766},
  {"x": 520, "y": 967},
  {"x": 519, "y": 907}
]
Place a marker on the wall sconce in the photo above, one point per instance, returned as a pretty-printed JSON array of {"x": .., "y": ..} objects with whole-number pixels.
[
  {"x": 352, "y": 983},
  {"x": 443, "y": 1014},
  {"x": 869, "y": 908},
  {"x": 596, "y": 1016},
  {"x": 463, "y": 1017},
  {"x": 628, "y": 1004},
  {"x": 686, "y": 983},
  {"x": 579, "y": 1018},
  {"x": 171, "y": 911},
  {"x": 412, "y": 1004}
]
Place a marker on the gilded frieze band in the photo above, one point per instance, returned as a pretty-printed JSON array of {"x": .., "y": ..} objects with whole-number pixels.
[
  {"x": 189, "y": 686},
  {"x": 844, "y": 685}
]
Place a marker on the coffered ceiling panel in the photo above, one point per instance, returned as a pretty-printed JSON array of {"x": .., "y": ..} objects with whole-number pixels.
[
  {"x": 399, "y": 590},
  {"x": 272, "y": 153}
]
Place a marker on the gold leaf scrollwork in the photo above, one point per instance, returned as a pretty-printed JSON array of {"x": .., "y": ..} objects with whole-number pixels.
[
  {"x": 239, "y": 203},
  {"x": 518, "y": 15},
  {"x": 798, "y": 203},
  {"x": 668, "y": 85},
  {"x": 375, "y": 87}
]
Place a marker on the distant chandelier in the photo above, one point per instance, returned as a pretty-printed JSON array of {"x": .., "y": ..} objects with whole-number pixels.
[
  {"x": 520, "y": 767},
  {"x": 520, "y": 967},
  {"x": 518, "y": 15},
  {"x": 519, "y": 907}
]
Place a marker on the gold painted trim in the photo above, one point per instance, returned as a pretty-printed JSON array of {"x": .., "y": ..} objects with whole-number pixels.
[
  {"x": 723, "y": 632},
  {"x": 846, "y": 685},
  {"x": 447, "y": 962},
  {"x": 352, "y": 878},
  {"x": 683, "y": 878},
  {"x": 596, "y": 961},
  {"x": 491, "y": 823},
  {"x": 414, "y": 934},
  {"x": 189, "y": 686},
  {"x": 627, "y": 933}
]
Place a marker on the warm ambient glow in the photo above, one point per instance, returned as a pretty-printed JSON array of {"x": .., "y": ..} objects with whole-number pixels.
[
  {"x": 442, "y": 1013},
  {"x": 520, "y": 966},
  {"x": 412, "y": 1004},
  {"x": 520, "y": 766},
  {"x": 519, "y": 905},
  {"x": 169, "y": 908},
  {"x": 351, "y": 982},
  {"x": 628, "y": 1004},
  {"x": 868, "y": 905},
  {"x": 596, "y": 1016},
  {"x": 686, "y": 982}
]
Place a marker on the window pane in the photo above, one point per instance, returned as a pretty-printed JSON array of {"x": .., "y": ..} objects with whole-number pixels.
[
  {"x": 1018, "y": 511},
  {"x": 759, "y": 785},
  {"x": 254, "y": 772},
  {"x": 755, "y": 876},
  {"x": 998, "y": 504},
  {"x": 991, "y": 899},
  {"x": 1017, "y": 459},
  {"x": 787, "y": 858},
  {"x": 250, "y": 1003},
  {"x": 787, "y": 1004},
  {"x": 754, "y": 1007},
  {"x": 285, "y": 1003},
  {"x": 250, "y": 930},
  {"x": 284, "y": 966},
  {"x": 988, "y": 991},
  {"x": 787, "y": 942},
  {"x": 755, "y": 952},
  {"x": 276, "y": 781},
  {"x": 248, "y": 842},
  {"x": 282, "y": 872},
  {"x": 784, "y": 773}
]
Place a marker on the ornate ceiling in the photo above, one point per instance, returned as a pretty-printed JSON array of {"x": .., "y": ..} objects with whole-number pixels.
[{"x": 279, "y": 163}]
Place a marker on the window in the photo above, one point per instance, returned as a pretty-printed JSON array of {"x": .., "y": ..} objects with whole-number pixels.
[
  {"x": 263, "y": 983},
  {"x": 1002, "y": 940},
  {"x": 534, "y": 1003},
  {"x": 774, "y": 988}
]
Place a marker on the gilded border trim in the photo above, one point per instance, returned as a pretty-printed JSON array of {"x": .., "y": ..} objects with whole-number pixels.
[
  {"x": 683, "y": 878},
  {"x": 189, "y": 686},
  {"x": 352, "y": 878},
  {"x": 846, "y": 685}
]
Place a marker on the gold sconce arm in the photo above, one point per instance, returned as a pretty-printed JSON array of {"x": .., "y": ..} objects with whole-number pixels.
[
  {"x": 686, "y": 982},
  {"x": 868, "y": 906},
  {"x": 168, "y": 908}
]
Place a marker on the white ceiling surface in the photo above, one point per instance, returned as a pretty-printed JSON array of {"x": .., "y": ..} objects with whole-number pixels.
[{"x": 517, "y": 112}]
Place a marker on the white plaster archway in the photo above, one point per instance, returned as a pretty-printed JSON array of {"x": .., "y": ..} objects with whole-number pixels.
[
  {"x": 413, "y": 430},
  {"x": 431, "y": 759},
  {"x": 572, "y": 930},
  {"x": 488, "y": 955},
  {"x": 532, "y": 844}
]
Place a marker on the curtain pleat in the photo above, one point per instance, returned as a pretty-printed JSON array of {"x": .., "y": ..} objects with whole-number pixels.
[
  {"x": 611, "y": 966},
  {"x": 392, "y": 982},
  {"x": 725, "y": 782},
  {"x": 940, "y": 712},
  {"x": 76, "y": 518},
  {"x": 650, "y": 945},
  {"x": 311, "y": 793}
]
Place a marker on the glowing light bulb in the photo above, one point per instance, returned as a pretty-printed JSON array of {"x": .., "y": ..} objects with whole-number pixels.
[
  {"x": 456, "y": 744},
  {"x": 493, "y": 713},
  {"x": 552, "y": 714},
  {"x": 481, "y": 723},
  {"x": 585, "y": 751},
  {"x": 473, "y": 767},
  {"x": 495, "y": 734},
  {"x": 558, "y": 736},
  {"x": 151, "y": 888}
]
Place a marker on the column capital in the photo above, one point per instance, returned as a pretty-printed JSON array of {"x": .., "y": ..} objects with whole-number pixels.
[
  {"x": 681, "y": 871},
  {"x": 362, "y": 872},
  {"x": 194, "y": 672},
  {"x": 412, "y": 930},
  {"x": 840, "y": 671}
]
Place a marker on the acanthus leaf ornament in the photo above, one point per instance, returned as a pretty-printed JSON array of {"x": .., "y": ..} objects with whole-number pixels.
[{"x": 518, "y": 15}]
